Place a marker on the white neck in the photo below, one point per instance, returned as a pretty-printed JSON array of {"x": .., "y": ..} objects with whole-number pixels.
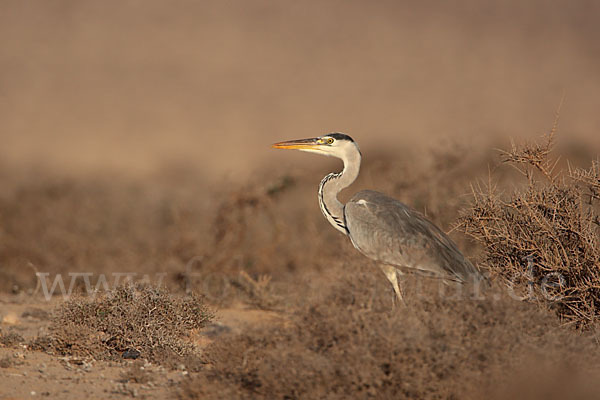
[{"x": 334, "y": 183}]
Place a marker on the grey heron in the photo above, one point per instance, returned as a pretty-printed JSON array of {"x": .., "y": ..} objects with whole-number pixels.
[{"x": 398, "y": 237}]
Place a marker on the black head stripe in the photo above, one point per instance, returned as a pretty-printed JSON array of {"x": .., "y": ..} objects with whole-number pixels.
[{"x": 340, "y": 136}]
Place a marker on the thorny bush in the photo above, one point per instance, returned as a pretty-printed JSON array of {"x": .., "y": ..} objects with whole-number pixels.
[{"x": 543, "y": 239}]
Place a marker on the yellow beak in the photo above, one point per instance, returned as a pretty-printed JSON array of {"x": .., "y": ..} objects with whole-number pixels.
[{"x": 297, "y": 144}]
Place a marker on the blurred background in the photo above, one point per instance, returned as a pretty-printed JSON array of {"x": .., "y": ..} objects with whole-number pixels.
[
  {"x": 135, "y": 138},
  {"x": 135, "y": 85}
]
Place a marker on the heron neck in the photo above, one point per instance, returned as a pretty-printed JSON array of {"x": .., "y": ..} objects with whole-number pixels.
[{"x": 334, "y": 183}]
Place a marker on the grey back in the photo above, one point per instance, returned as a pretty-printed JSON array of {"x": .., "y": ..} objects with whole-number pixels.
[{"x": 390, "y": 232}]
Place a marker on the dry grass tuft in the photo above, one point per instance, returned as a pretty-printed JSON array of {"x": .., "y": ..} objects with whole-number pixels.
[
  {"x": 10, "y": 339},
  {"x": 258, "y": 291},
  {"x": 543, "y": 239},
  {"x": 129, "y": 322}
]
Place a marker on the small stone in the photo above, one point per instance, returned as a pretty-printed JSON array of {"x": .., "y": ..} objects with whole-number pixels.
[{"x": 131, "y": 354}]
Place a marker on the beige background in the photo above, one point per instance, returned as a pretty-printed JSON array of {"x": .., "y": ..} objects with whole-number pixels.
[{"x": 130, "y": 86}]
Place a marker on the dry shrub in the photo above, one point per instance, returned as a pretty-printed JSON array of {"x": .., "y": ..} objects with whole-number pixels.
[
  {"x": 244, "y": 208},
  {"x": 138, "y": 320},
  {"x": 259, "y": 292},
  {"x": 347, "y": 344},
  {"x": 543, "y": 239},
  {"x": 255, "y": 240},
  {"x": 10, "y": 339}
]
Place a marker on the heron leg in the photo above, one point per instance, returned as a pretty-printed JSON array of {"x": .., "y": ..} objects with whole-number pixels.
[{"x": 392, "y": 274}]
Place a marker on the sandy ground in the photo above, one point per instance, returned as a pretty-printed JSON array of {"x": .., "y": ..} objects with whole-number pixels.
[
  {"x": 33, "y": 374},
  {"x": 135, "y": 139}
]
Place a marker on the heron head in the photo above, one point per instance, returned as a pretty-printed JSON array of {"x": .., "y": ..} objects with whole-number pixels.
[{"x": 332, "y": 144}]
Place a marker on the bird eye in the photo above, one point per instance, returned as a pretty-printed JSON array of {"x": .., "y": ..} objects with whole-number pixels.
[{"x": 329, "y": 140}]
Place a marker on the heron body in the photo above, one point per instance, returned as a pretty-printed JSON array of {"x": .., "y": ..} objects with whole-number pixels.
[
  {"x": 390, "y": 232},
  {"x": 382, "y": 228}
]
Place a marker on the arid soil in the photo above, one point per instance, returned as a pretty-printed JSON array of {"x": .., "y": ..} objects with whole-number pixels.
[
  {"x": 30, "y": 374},
  {"x": 135, "y": 149}
]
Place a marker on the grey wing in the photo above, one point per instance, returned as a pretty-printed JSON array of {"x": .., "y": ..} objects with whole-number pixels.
[{"x": 388, "y": 231}]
